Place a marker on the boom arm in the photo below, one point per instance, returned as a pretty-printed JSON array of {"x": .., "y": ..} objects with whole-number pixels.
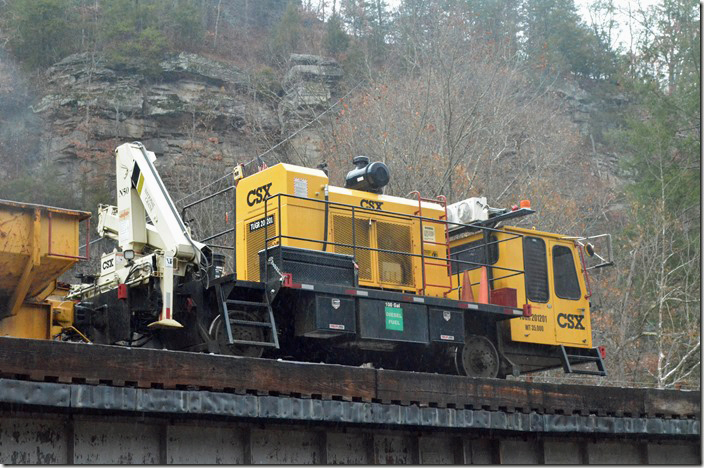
[
  {"x": 141, "y": 192},
  {"x": 109, "y": 227}
]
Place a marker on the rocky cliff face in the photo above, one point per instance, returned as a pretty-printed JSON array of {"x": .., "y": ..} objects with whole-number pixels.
[
  {"x": 310, "y": 85},
  {"x": 200, "y": 117},
  {"x": 19, "y": 126},
  {"x": 200, "y": 113},
  {"x": 586, "y": 110}
]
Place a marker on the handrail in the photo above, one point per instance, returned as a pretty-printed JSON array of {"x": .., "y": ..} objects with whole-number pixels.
[
  {"x": 397, "y": 215},
  {"x": 440, "y": 200},
  {"x": 393, "y": 214},
  {"x": 354, "y": 210},
  {"x": 397, "y": 252},
  {"x": 337, "y": 208},
  {"x": 201, "y": 200},
  {"x": 222, "y": 233}
]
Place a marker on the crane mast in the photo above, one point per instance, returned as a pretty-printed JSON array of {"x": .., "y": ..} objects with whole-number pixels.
[{"x": 163, "y": 240}]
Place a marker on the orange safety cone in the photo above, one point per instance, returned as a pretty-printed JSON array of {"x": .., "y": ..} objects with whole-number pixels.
[
  {"x": 484, "y": 287},
  {"x": 466, "y": 293}
]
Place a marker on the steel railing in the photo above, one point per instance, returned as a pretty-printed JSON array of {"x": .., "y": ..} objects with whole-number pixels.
[
  {"x": 358, "y": 212},
  {"x": 355, "y": 211}
]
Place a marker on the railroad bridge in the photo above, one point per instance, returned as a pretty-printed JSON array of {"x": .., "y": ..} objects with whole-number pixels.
[{"x": 79, "y": 403}]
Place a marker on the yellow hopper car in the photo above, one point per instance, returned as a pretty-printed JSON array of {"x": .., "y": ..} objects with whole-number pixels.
[{"x": 38, "y": 243}]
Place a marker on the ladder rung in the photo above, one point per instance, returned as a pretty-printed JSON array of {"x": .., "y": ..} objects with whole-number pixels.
[
  {"x": 435, "y": 264},
  {"x": 588, "y": 372},
  {"x": 251, "y": 323},
  {"x": 583, "y": 358},
  {"x": 267, "y": 344},
  {"x": 435, "y": 221},
  {"x": 247, "y": 303}
]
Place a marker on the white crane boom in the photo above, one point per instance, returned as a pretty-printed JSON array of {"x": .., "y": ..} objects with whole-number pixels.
[{"x": 141, "y": 193}]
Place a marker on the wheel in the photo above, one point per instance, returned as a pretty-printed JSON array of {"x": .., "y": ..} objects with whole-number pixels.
[
  {"x": 239, "y": 332},
  {"x": 478, "y": 357}
]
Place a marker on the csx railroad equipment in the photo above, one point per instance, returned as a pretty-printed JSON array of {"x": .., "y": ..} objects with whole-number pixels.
[
  {"x": 346, "y": 275},
  {"x": 38, "y": 244}
]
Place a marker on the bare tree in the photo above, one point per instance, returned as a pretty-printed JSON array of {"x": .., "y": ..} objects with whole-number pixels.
[{"x": 466, "y": 124}]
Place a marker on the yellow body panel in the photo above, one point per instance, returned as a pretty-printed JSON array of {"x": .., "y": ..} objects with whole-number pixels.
[
  {"x": 381, "y": 222},
  {"x": 37, "y": 244},
  {"x": 554, "y": 321},
  {"x": 39, "y": 320},
  {"x": 30, "y": 321}
]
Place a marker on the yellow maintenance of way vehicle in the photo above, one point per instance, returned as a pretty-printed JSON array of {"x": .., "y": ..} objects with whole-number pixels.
[
  {"x": 432, "y": 254},
  {"x": 314, "y": 272},
  {"x": 545, "y": 271}
]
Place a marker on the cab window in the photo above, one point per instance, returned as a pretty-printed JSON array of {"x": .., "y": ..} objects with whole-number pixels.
[
  {"x": 535, "y": 266},
  {"x": 473, "y": 252},
  {"x": 566, "y": 282}
]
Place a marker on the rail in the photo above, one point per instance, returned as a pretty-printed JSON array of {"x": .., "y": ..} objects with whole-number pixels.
[{"x": 66, "y": 362}]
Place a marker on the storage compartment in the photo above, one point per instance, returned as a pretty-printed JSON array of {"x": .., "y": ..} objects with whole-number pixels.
[
  {"x": 325, "y": 316},
  {"x": 309, "y": 266},
  {"x": 446, "y": 326},
  {"x": 396, "y": 321}
]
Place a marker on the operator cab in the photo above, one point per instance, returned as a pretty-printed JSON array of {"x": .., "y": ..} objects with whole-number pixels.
[{"x": 545, "y": 271}]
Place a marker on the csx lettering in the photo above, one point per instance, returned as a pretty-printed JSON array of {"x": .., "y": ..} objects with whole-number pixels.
[
  {"x": 258, "y": 194},
  {"x": 570, "y": 321},
  {"x": 108, "y": 263},
  {"x": 374, "y": 205}
]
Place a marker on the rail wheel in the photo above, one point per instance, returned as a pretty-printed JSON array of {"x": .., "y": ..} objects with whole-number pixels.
[
  {"x": 239, "y": 332},
  {"x": 477, "y": 357}
]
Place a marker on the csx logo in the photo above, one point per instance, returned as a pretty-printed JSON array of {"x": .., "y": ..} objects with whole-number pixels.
[
  {"x": 374, "y": 205},
  {"x": 258, "y": 194},
  {"x": 108, "y": 263},
  {"x": 570, "y": 321}
]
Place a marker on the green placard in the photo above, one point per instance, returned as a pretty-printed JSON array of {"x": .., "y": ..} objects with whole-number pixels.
[{"x": 394, "y": 318}]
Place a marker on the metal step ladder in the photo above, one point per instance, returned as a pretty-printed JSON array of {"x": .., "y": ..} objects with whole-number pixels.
[
  {"x": 270, "y": 324},
  {"x": 442, "y": 220},
  {"x": 569, "y": 360}
]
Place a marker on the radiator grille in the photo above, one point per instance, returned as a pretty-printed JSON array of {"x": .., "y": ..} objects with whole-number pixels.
[
  {"x": 389, "y": 268},
  {"x": 395, "y": 268},
  {"x": 342, "y": 234},
  {"x": 255, "y": 242}
]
